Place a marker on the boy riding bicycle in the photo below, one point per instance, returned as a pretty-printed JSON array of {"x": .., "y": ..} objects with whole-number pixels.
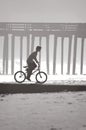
[{"x": 32, "y": 61}]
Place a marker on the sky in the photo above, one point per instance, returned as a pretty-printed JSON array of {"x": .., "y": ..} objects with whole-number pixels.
[{"x": 42, "y": 11}]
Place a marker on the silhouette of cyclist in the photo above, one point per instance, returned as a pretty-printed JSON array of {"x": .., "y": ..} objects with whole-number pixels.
[{"x": 32, "y": 62}]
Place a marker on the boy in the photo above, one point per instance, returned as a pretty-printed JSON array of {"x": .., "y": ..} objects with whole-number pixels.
[{"x": 31, "y": 61}]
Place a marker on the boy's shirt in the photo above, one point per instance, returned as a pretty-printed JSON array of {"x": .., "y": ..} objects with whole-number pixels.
[{"x": 32, "y": 57}]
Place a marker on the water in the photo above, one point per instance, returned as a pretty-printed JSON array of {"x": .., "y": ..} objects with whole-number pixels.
[{"x": 45, "y": 111}]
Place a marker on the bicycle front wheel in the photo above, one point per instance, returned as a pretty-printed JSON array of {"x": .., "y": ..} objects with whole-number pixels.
[
  {"x": 41, "y": 77},
  {"x": 19, "y": 76}
]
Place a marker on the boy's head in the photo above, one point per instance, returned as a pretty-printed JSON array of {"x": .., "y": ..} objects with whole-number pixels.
[{"x": 38, "y": 48}]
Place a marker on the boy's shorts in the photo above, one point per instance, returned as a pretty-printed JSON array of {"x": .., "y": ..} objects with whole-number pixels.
[{"x": 32, "y": 65}]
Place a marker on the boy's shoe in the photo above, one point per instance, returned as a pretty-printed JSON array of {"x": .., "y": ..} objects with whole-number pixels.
[{"x": 28, "y": 79}]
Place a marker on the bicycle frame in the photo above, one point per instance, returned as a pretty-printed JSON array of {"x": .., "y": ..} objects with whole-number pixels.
[{"x": 38, "y": 69}]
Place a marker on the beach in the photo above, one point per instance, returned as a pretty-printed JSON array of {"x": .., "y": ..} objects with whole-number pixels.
[{"x": 58, "y": 110}]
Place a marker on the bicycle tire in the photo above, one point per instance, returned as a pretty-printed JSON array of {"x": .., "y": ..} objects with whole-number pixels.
[
  {"x": 16, "y": 74},
  {"x": 45, "y": 75}
]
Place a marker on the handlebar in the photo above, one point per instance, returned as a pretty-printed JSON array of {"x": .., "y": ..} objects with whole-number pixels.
[{"x": 39, "y": 66}]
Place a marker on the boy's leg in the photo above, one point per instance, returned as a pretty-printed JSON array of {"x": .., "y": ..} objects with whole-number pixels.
[
  {"x": 29, "y": 73},
  {"x": 31, "y": 67}
]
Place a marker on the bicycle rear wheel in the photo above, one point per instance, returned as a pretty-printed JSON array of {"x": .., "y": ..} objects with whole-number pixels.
[
  {"x": 41, "y": 77},
  {"x": 19, "y": 76}
]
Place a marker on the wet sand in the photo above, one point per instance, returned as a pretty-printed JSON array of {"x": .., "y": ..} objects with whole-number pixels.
[
  {"x": 11, "y": 88},
  {"x": 58, "y": 84}
]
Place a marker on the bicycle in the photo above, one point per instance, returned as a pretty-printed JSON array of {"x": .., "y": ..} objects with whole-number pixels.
[{"x": 20, "y": 76}]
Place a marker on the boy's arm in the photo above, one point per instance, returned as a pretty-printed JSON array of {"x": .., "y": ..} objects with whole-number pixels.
[
  {"x": 36, "y": 60},
  {"x": 34, "y": 57}
]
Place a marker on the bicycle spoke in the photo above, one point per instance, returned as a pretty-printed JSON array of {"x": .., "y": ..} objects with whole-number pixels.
[
  {"x": 41, "y": 77},
  {"x": 19, "y": 76}
]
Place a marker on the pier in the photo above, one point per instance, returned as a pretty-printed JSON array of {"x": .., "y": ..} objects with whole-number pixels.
[{"x": 65, "y": 37}]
